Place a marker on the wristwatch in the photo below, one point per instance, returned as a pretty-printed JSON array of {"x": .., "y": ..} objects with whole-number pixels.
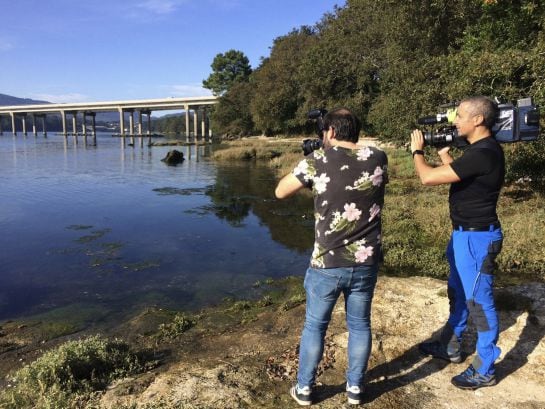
[{"x": 418, "y": 152}]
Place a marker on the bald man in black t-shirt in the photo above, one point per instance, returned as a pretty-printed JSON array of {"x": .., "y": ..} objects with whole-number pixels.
[{"x": 476, "y": 179}]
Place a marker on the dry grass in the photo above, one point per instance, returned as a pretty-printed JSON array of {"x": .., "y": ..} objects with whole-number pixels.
[{"x": 264, "y": 149}]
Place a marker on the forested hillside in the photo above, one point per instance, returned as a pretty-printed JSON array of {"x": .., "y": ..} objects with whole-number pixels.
[{"x": 391, "y": 62}]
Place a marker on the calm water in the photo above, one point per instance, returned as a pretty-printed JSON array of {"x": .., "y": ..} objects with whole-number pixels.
[{"x": 116, "y": 229}]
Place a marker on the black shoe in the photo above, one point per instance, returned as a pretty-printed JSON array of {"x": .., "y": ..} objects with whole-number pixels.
[
  {"x": 438, "y": 350},
  {"x": 303, "y": 396},
  {"x": 471, "y": 379},
  {"x": 354, "y": 394}
]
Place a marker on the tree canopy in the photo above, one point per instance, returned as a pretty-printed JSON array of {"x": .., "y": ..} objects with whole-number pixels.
[
  {"x": 227, "y": 69},
  {"x": 391, "y": 62}
]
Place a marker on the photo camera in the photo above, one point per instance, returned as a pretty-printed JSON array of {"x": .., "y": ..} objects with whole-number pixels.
[
  {"x": 310, "y": 145},
  {"x": 518, "y": 123}
]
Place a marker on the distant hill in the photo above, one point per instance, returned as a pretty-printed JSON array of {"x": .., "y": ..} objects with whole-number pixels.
[
  {"x": 54, "y": 119},
  {"x": 9, "y": 100}
]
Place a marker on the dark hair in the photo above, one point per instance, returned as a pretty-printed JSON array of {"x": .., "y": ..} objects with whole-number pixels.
[
  {"x": 484, "y": 106},
  {"x": 347, "y": 126}
]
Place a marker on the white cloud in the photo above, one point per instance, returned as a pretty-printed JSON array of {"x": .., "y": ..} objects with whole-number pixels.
[
  {"x": 188, "y": 90},
  {"x": 61, "y": 98},
  {"x": 5, "y": 45},
  {"x": 160, "y": 6}
]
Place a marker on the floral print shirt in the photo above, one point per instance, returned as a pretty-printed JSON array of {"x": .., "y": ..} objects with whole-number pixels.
[{"x": 348, "y": 189}]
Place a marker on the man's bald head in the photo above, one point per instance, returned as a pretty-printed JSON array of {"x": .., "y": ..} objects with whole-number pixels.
[{"x": 484, "y": 106}]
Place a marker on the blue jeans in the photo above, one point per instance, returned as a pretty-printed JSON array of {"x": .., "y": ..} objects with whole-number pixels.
[
  {"x": 323, "y": 287},
  {"x": 472, "y": 259}
]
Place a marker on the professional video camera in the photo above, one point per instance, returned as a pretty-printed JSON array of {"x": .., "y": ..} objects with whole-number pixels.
[
  {"x": 513, "y": 124},
  {"x": 310, "y": 145}
]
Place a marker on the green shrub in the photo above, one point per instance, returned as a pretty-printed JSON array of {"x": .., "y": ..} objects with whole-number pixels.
[
  {"x": 68, "y": 375},
  {"x": 525, "y": 162},
  {"x": 180, "y": 324}
]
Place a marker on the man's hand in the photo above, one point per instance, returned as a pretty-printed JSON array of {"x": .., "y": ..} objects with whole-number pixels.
[
  {"x": 443, "y": 151},
  {"x": 417, "y": 140}
]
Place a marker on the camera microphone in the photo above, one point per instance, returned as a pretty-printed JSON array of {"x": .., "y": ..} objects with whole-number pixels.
[{"x": 433, "y": 119}]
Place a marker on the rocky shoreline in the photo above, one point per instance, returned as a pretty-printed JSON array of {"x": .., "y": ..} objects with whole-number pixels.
[
  {"x": 253, "y": 365},
  {"x": 245, "y": 356}
]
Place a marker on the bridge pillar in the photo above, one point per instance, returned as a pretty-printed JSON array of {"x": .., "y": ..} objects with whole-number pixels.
[
  {"x": 75, "y": 123},
  {"x": 121, "y": 121},
  {"x": 35, "y": 118},
  {"x": 148, "y": 113},
  {"x": 84, "y": 127},
  {"x": 131, "y": 125},
  {"x": 42, "y": 117},
  {"x": 195, "y": 124},
  {"x": 23, "y": 120},
  {"x": 93, "y": 127},
  {"x": 84, "y": 124},
  {"x": 186, "y": 107},
  {"x": 63, "y": 120},
  {"x": 34, "y": 125},
  {"x": 1, "y": 126},
  {"x": 13, "y": 129},
  {"x": 139, "y": 123},
  {"x": 203, "y": 124}
]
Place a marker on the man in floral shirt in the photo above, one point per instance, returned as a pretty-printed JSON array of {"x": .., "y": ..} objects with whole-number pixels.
[{"x": 347, "y": 181}]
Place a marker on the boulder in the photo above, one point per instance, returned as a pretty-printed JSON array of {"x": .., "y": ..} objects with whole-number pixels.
[{"x": 173, "y": 157}]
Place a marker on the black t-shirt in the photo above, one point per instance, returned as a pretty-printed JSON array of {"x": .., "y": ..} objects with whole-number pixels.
[
  {"x": 348, "y": 189},
  {"x": 481, "y": 169}
]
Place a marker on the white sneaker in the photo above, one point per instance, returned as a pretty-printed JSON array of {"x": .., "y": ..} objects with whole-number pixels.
[
  {"x": 301, "y": 395},
  {"x": 354, "y": 394}
]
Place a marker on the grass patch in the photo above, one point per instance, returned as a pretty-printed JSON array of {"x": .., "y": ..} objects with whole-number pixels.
[
  {"x": 179, "y": 324},
  {"x": 255, "y": 149},
  {"x": 68, "y": 375}
]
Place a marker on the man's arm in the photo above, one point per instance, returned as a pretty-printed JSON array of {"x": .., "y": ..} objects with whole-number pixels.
[
  {"x": 429, "y": 175},
  {"x": 287, "y": 186}
]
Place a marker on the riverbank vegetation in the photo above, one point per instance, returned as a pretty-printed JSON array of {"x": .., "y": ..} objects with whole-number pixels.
[
  {"x": 416, "y": 219},
  {"x": 392, "y": 63}
]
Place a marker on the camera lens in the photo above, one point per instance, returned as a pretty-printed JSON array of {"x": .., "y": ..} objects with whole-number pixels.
[{"x": 310, "y": 145}]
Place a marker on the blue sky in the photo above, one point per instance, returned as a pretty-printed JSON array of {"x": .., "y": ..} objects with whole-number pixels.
[{"x": 96, "y": 50}]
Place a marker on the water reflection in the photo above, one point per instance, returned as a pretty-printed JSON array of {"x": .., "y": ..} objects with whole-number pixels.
[
  {"x": 239, "y": 189},
  {"x": 114, "y": 226}
]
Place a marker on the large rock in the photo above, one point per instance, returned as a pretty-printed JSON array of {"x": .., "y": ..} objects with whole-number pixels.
[{"x": 173, "y": 158}]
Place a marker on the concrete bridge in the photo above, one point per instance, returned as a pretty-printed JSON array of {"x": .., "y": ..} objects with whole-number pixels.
[{"x": 90, "y": 109}]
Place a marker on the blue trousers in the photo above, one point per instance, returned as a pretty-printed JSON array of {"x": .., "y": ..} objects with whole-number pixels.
[
  {"x": 471, "y": 255},
  {"x": 323, "y": 287}
]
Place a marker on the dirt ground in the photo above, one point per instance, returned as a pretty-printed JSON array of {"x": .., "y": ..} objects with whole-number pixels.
[{"x": 253, "y": 365}]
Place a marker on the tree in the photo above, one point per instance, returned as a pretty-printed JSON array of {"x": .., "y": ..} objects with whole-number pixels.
[
  {"x": 277, "y": 94},
  {"x": 231, "y": 116},
  {"x": 227, "y": 69}
]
